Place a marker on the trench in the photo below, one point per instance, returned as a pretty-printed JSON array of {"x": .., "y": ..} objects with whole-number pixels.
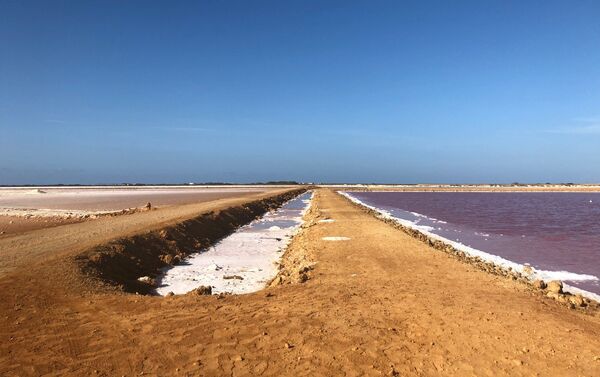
[
  {"x": 118, "y": 265},
  {"x": 243, "y": 262}
]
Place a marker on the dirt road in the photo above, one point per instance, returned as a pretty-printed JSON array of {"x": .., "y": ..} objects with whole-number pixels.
[{"x": 380, "y": 303}]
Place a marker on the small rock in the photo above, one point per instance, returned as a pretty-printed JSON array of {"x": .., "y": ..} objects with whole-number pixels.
[
  {"x": 527, "y": 270},
  {"x": 238, "y": 358},
  {"x": 555, "y": 286},
  {"x": 203, "y": 290},
  {"x": 539, "y": 284},
  {"x": 148, "y": 206},
  {"x": 230, "y": 277},
  {"x": 278, "y": 280},
  {"x": 302, "y": 278},
  {"x": 170, "y": 294},
  {"x": 304, "y": 269},
  {"x": 147, "y": 279},
  {"x": 577, "y": 300},
  {"x": 288, "y": 345},
  {"x": 553, "y": 295}
]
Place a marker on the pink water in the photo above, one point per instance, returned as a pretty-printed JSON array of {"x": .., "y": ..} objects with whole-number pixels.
[{"x": 551, "y": 231}]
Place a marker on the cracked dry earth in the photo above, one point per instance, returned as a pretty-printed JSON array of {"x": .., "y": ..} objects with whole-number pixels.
[{"x": 378, "y": 303}]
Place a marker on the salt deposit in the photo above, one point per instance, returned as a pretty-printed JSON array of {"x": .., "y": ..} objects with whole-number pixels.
[{"x": 249, "y": 255}]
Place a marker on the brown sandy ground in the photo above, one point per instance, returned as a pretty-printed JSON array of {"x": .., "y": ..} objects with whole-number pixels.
[
  {"x": 381, "y": 303},
  {"x": 11, "y": 225}
]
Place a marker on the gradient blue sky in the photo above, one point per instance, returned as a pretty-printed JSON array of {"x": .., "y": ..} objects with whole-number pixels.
[{"x": 373, "y": 91}]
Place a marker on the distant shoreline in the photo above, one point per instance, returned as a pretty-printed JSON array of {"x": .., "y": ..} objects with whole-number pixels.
[
  {"x": 567, "y": 187},
  {"x": 471, "y": 188},
  {"x": 139, "y": 186}
]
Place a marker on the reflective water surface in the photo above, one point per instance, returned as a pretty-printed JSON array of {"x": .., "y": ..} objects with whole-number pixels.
[{"x": 551, "y": 231}]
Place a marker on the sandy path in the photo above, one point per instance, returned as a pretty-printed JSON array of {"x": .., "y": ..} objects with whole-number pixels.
[
  {"x": 11, "y": 225},
  {"x": 381, "y": 303},
  {"x": 30, "y": 246}
]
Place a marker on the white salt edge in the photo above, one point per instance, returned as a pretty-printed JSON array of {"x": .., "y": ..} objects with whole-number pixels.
[{"x": 495, "y": 259}]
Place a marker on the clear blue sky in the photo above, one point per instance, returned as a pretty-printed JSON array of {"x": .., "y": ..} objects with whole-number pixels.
[{"x": 372, "y": 91}]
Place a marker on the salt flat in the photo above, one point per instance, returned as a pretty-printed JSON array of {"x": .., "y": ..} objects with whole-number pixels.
[
  {"x": 28, "y": 208},
  {"x": 115, "y": 198}
]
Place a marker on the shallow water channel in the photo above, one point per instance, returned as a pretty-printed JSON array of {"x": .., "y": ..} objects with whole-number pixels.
[{"x": 242, "y": 262}]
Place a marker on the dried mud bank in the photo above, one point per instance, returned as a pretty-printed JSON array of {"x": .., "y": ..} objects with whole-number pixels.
[
  {"x": 551, "y": 289},
  {"x": 120, "y": 263}
]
